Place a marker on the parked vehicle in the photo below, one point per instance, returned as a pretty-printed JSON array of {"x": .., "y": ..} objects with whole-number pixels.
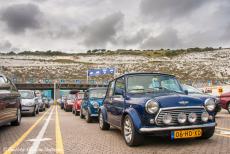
[
  {"x": 77, "y": 103},
  {"x": 192, "y": 91},
  {"x": 225, "y": 101},
  {"x": 93, "y": 99},
  {"x": 46, "y": 102},
  {"x": 63, "y": 99},
  {"x": 29, "y": 101},
  {"x": 68, "y": 104},
  {"x": 10, "y": 103},
  {"x": 42, "y": 105},
  {"x": 155, "y": 104}
]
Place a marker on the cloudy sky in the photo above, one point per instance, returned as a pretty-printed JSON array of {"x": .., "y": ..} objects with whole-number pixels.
[{"x": 79, "y": 25}]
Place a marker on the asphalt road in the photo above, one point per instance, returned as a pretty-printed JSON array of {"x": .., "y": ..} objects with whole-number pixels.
[{"x": 57, "y": 131}]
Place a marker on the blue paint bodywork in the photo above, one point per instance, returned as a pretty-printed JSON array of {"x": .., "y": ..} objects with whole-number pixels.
[
  {"x": 87, "y": 104},
  {"x": 134, "y": 106}
]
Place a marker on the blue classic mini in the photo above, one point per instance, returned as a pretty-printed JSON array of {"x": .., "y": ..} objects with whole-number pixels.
[
  {"x": 93, "y": 99},
  {"x": 155, "y": 104}
]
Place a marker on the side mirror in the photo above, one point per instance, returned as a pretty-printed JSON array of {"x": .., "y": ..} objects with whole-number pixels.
[
  {"x": 119, "y": 92},
  {"x": 186, "y": 92}
]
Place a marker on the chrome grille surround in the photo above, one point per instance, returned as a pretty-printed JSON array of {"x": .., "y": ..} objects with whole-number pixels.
[{"x": 175, "y": 111}]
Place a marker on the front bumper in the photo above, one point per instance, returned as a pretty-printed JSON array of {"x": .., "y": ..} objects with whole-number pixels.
[
  {"x": 160, "y": 129},
  {"x": 27, "y": 109}
]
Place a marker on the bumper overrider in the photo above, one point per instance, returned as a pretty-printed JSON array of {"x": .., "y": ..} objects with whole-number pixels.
[{"x": 172, "y": 128}]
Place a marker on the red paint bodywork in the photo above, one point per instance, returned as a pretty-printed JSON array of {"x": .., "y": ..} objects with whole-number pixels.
[
  {"x": 78, "y": 101},
  {"x": 225, "y": 100}
]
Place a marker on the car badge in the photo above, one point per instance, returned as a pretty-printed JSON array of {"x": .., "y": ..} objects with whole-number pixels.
[{"x": 183, "y": 102}]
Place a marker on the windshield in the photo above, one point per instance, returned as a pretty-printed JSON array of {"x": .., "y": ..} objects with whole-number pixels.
[
  {"x": 80, "y": 96},
  {"x": 71, "y": 97},
  {"x": 27, "y": 94},
  {"x": 192, "y": 90},
  {"x": 97, "y": 93},
  {"x": 152, "y": 83}
]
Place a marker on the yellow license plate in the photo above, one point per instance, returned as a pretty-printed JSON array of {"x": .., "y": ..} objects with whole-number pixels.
[{"x": 186, "y": 133}]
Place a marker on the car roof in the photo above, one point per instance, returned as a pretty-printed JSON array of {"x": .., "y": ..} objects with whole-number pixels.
[{"x": 136, "y": 73}]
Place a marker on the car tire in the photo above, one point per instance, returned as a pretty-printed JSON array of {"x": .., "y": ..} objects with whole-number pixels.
[
  {"x": 228, "y": 107},
  {"x": 102, "y": 124},
  {"x": 76, "y": 113},
  {"x": 17, "y": 122},
  {"x": 88, "y": 118},
  {"x": 73, "y": 111},
  {"x": 81, "y": 114},
  {"x": 34, "y": 112},
  {"x": 131, "y": 136},
  {"x": 209, "y": 132},
  {"x": 37, "y": 112}
]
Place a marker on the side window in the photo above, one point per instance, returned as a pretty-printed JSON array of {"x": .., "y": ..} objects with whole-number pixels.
[
  {"x": 110, "y": 89},
  {"x": 120, "y": 86}
]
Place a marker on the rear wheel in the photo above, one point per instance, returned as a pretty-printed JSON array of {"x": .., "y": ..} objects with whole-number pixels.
[
  {"x": 131, "y": 136},
  {"x": 17, "y": 122},
  {"x": 208, "y": 133},
  {"x": 103, "y": 125}
]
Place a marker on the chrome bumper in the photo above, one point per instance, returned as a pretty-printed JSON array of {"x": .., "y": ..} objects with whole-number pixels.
[{"x": 155, "y": 129}]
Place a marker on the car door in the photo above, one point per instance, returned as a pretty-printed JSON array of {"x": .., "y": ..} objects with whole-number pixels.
[
  {"x": 9, "y": 102},
  {"x": 108, "y": 102},
  {"x": 3, "y": 102},
  {"x": 117, "y": 104}
]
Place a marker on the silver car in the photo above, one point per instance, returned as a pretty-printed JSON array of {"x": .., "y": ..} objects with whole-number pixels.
[{"x": 29, "y": 102}]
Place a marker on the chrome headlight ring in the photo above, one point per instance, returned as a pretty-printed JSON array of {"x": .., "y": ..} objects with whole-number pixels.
[
  {"x": 210, "y": 104},
  {"x": 151, "y": 106}
]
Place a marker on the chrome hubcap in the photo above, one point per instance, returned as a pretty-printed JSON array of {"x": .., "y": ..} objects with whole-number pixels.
[
  {"x": 101, "y": 120},
  {"x": 128, "y": 130}
]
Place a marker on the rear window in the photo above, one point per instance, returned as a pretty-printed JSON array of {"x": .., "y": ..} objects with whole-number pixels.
[{"x": 2, "y": 80}]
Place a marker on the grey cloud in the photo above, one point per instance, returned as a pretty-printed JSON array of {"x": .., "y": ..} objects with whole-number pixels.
[
  {"x": 20, "y": 17},
  {"x": 136, "y": 38},
  {"x": 6, "y": 46},
  {"x": 166, "y": 9},
  {"x": 167, "y": 39},
  {"x": 99, "y": 32}
]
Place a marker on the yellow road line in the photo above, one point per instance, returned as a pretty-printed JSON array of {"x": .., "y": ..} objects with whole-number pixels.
[
  {"x": 21, "y": 139},
  {"x": 59, "y": 143}
]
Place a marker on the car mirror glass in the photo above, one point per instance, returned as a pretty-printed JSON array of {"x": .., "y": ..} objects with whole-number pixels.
[{"x": 186, "y": 92}]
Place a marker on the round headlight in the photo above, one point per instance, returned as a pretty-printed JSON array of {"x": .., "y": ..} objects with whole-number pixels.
[
  {"x": 182, "y": 118},
  {"x": 151, "y": 106},
  {"x": 95, "y": 105},
  {"x": 167, "y": 118},
  {"x": 192, "y": 117},
  {"x": 210, "y": 104},
  {"x": 204, "y": 116},
  {"x": 29, "y": 104}
]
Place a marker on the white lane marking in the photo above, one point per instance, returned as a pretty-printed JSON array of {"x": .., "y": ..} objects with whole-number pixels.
[
  {"x": 43, "y": 139},
  {"x": 33, "y": 149}
]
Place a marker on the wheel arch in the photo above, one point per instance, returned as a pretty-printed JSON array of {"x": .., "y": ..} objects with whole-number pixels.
[{"x": 134, "y": 116}]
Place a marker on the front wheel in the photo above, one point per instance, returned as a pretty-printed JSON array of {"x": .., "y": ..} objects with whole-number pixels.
[
  {"x": 131, "y": 136},
  {"x": 17, "y": 122},
  {"x": 81, "y": 114},
  {"x": 228, "y": 107},
  {"x": 103, "y": 125},
  {"x": 88, "y": 118},
  {"x": 208, "y": 133}
]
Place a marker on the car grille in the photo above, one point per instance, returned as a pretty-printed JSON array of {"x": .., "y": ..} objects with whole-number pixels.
[{"x": 175, "y": 112}]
